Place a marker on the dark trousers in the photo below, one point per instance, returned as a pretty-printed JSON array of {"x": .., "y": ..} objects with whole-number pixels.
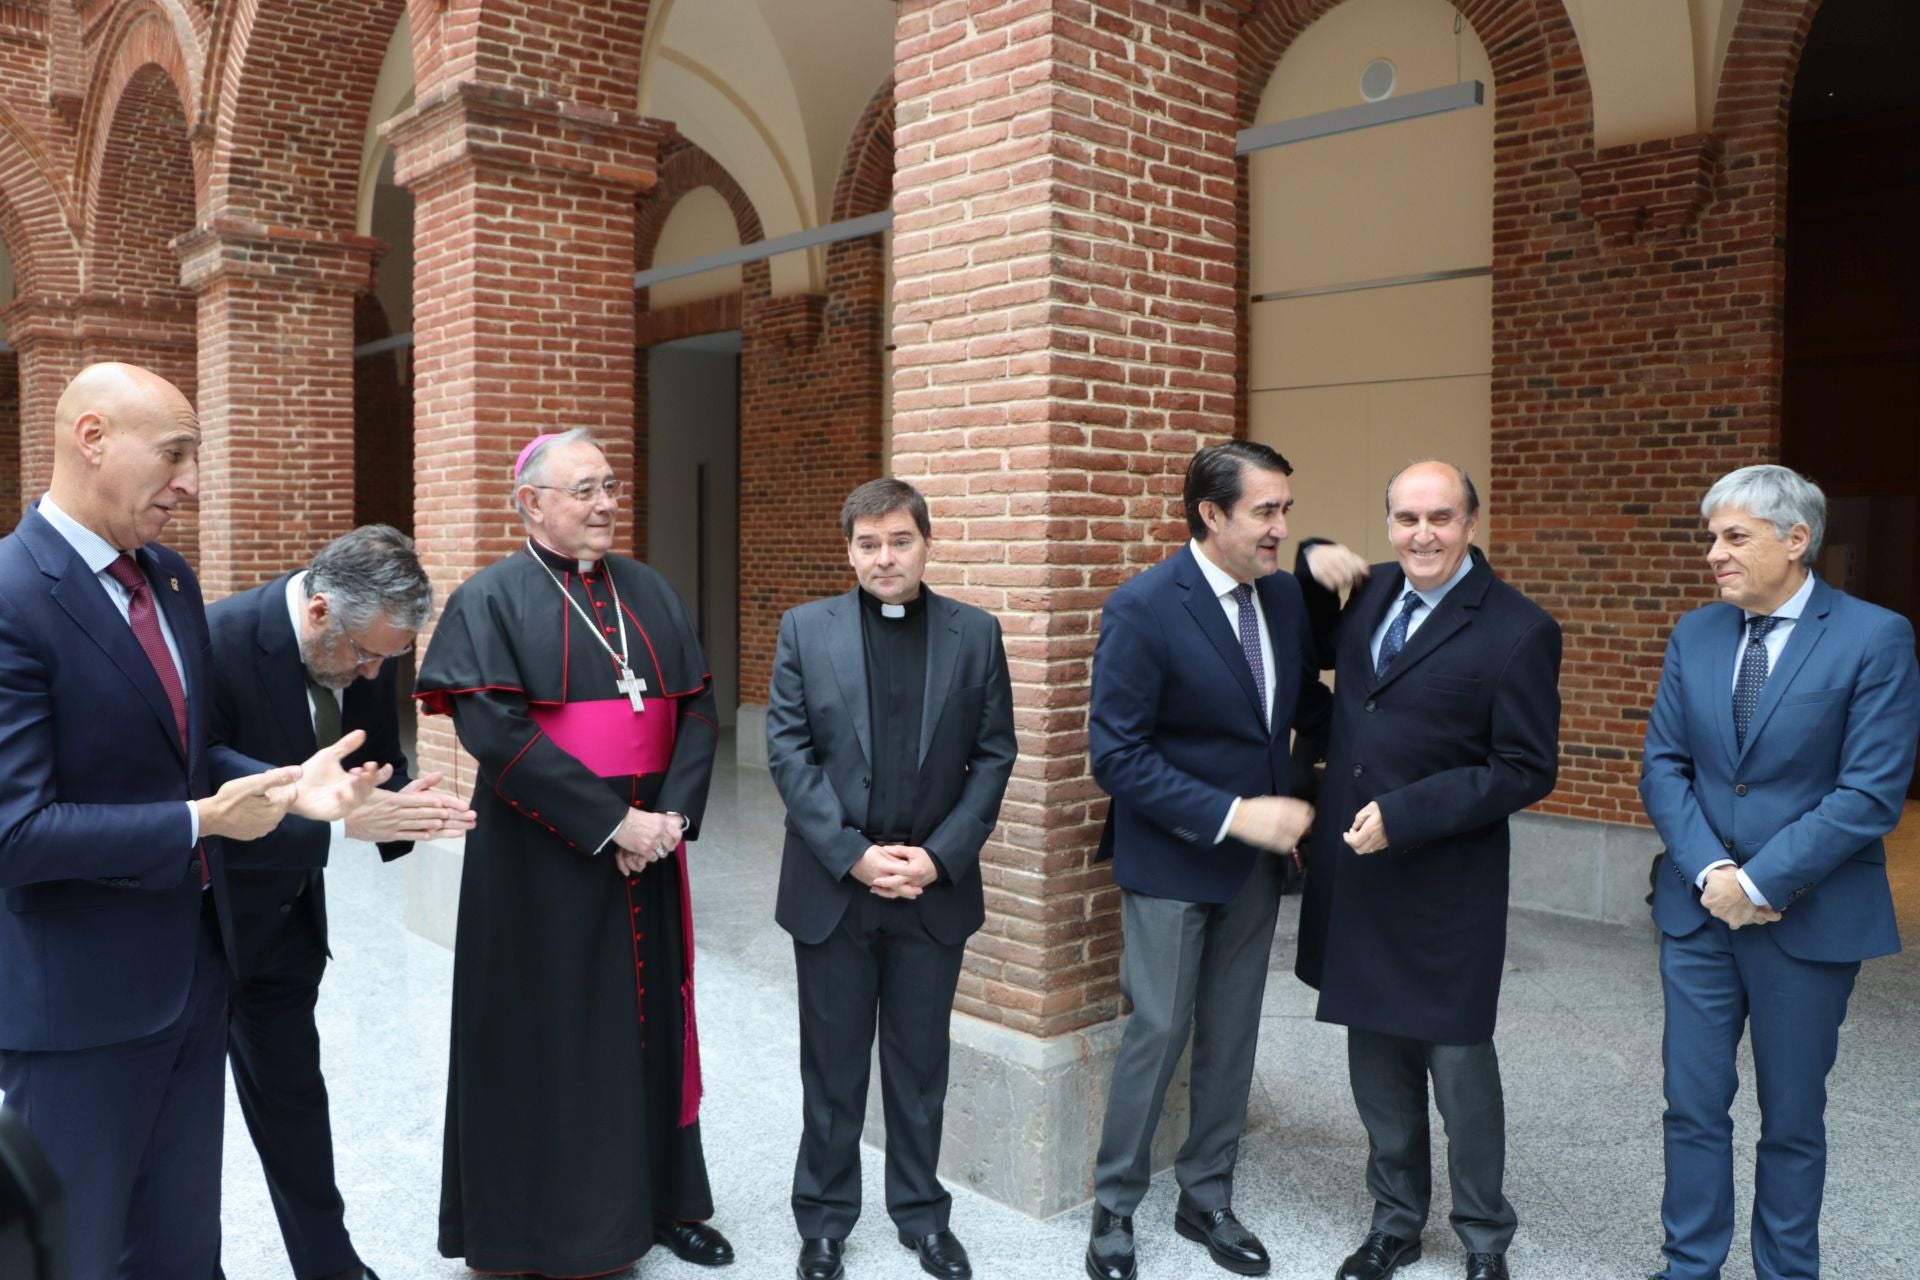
[
  {"x": 134, "y": 1131},
  {"x": 1717, "y": 981},
  {"x": 879, "y": 961},
  {"x": 276, "y": 1073},
  {"x": 1389, "y": 1076},
  {"x": 1194, "y": 967}
]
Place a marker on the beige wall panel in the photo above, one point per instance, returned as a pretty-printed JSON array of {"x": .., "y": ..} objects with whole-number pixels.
[
  {"x": 1395, "y": 200},
  {"x": 1640, "y": 63},
  {"x": 701, "y": 223},
  {"x": 1346, "y": 442},
  {"x": 1438, "y": 329}
]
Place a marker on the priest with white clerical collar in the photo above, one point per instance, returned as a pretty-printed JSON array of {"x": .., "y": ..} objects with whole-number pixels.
[{"x": 576, "y": 681}]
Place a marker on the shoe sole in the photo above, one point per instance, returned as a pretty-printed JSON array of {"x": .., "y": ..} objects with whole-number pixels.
[
  {"x": 1239, "y": 1268},
  {"x": 1410, "y": 1256}
]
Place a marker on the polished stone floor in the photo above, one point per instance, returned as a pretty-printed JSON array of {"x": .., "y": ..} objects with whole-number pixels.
[{"x": 1579, "y": 1039}]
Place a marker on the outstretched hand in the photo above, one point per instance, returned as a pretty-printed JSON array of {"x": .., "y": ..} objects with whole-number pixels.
[{"x": 327, "y": 790}]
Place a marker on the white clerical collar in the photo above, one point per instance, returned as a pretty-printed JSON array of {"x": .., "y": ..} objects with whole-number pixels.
[
  {"x": 892, "y": 610},
  {"x": 584, "y": 566}
]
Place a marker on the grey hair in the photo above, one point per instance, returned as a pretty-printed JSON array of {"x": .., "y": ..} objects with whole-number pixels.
[
  {"x": 1466, "y": 484},
  {"x": 369, "y": 574},
  {"x": 534, "y": 469},
  {"x": 1779, "y": 495}
]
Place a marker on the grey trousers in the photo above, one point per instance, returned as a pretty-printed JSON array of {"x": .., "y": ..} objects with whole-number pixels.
[
  {"x": 1389, "y": 1075},
  {"x": 1187, "y": 966}
]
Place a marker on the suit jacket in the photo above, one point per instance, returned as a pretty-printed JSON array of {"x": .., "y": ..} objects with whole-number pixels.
[
  {"x": 1802, "y": 806},
  {"x": 1461, "y": 732},
  {"x": 819, "y": 746},
  {"x": 1176, "y": 733},
  {"x": 260, "y": 708},
  {"x": 98, "y": 937}
]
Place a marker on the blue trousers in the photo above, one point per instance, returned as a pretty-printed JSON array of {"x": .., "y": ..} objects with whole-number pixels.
[{"x": 1719, "y": 982}]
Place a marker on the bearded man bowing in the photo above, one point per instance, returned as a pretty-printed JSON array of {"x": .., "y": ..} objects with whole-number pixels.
[{"x": 576, "y": 681}]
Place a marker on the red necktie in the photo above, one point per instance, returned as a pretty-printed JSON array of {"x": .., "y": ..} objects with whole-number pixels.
[{"x": 146, "y": 629}]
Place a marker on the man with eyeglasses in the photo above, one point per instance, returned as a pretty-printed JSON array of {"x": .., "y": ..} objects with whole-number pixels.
[
  {"x": 298, "y": 663},
  {"x": 576, "y": 680}
]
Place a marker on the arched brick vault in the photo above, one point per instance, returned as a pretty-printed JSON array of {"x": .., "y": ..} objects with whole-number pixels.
[
  {"x": 296, "y": 83},
  {"x": 683, "y": 168},
  {"x": 865, "y": 184},
  {"x": 38, "y": 219},
  {"x": 141, "y": 196},
  {"x": 135, "y": 38}
]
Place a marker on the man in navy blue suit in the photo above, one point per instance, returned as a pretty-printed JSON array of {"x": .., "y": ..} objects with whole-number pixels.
[
  {"x": 1204, "y": 665},
  {"x": 1778, "y": 756},
  {"x": 298, "y": 662},
  {"x": 113, "y": 943}
]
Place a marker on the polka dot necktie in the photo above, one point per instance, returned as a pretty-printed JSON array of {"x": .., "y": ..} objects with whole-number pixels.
[
  {"x": 1753, "y": 676},
  {"x": 1250, "y": 644},
  {"x": 1396, "y": 638}
]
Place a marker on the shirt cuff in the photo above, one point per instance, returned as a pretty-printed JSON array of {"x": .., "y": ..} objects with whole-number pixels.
[
  {"x": 1700, "y": 881},
  {"x": 1758, "y": 899},
  {"x": 193, "y": 825},
  {"x": 1228, "y": 824},
  {"x": 602, "y": 846},
  {"x": 338, "y": 827}
]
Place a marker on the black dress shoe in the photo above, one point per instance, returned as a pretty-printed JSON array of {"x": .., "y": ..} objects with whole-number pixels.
[
  {"x": 1379, "y": 1256},
  {"x": 820, "y": 1259},
  {"x": 358, "y": 1271},
  {"x": 1486, "y": 1266},
  {"x": 1110, "y": 1250},
  {"x": 941, "y": 1254},
  {"x": 694, "y": 1242},
  {"x": 1231, "y": 1244}
]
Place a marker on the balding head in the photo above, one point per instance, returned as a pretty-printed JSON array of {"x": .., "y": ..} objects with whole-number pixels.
[
  {"x": 125, "y": 452},
  {"x": 1432, "y": 508}
]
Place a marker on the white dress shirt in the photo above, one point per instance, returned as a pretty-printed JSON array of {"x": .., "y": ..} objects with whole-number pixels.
[
  {"x": 296, "y": 605},
  {"x": 1223, "y": 585},
  {"x": 97, "y": 553},
  {"x": 1775, "y": 643}
]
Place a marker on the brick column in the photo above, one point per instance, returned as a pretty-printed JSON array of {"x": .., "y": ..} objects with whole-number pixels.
[
  {"x": 523, "y": 308},
  {"x": 1064, "y": 329},
  {"x": 46, "y": 336},
  {"x": 275, "y": 393}
]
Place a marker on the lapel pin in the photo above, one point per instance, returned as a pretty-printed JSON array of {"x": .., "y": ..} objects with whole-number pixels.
[{"x": 174, "y": 583}]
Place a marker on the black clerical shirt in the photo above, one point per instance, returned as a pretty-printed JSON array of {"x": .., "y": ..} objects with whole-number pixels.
[{"x": 896, "y": 694}]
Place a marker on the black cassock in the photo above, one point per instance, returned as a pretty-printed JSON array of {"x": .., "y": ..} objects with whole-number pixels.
[{"x": 573, "y": 1081}]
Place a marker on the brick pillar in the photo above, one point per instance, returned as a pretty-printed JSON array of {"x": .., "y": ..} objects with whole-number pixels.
[
  {"x": 1064, "y": 328},
  {"x": 276, "y": 394},
  {"x": 523, "y": 309},
  {"x": 46, "y": 336}
]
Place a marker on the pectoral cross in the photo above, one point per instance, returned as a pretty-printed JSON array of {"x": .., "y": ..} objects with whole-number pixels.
[{"x": 633, "y": 686}]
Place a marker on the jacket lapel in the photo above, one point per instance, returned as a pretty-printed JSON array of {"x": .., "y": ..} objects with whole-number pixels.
[
  {"x": 79, "y": 593},
  {"x": 1452, "y": 615},
  {"x": 847, "y": 652},
  {"x": 1719, "y": 688},
  {"x": 943, "y": 658},
  {"x": 1806, "y": 633},
  {"x": 1204, "y": 608},
  {"x": 281, "y": 672}
]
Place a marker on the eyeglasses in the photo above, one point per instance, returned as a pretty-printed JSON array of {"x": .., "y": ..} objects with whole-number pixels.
[
  {"x": 362, "y": 658},
  {"x": 584, "y": 491}
]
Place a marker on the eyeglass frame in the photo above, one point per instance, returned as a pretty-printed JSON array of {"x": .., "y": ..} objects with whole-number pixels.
[
  {"x": 585, "y": 490},
  {"x": 362, "y": 658}
]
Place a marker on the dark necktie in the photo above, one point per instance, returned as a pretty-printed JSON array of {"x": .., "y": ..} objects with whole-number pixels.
[
  {"x": 145, "y": 621},
  {"x": 1396, "y": 638},
  {"x": 326, "y": 714},
  {"x": 1753, "y": 676},
  {"x": 1250, "y": 645}
]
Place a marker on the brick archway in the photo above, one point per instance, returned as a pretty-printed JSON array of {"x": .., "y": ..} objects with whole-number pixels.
[
  {"x": 139, "y": 39},
  {"x": 865, "y": 184}
]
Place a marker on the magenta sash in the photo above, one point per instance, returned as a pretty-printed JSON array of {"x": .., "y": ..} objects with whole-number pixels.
[{"x": 614, "y": 741}]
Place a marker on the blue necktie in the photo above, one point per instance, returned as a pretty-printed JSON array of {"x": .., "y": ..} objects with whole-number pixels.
[
  {"x": 1396, "y": 637},
  {"x": 1753, "y": 676},
  {"x": 1250, "y": 645}
]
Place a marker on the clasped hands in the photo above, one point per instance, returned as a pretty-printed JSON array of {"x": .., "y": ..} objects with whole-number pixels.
[
  {"x": 644, "y": 838},
  {"x": 896, "y": 870},
  {"x": 1727, "y": 900},
  {"x": 321, "y": 788}
]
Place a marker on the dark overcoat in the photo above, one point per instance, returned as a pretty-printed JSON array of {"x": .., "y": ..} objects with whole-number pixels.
[{"x": 1461, "y": 732}]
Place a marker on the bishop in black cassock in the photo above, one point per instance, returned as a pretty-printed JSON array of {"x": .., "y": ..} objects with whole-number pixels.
[{"x": 576, "y": 680}]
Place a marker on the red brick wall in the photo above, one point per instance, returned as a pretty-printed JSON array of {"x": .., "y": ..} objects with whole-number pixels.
[
  {"x": 1636, "y": 350},
  {"x": 382, "y": 424},
  {"x": 1064, "y": 320}
]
